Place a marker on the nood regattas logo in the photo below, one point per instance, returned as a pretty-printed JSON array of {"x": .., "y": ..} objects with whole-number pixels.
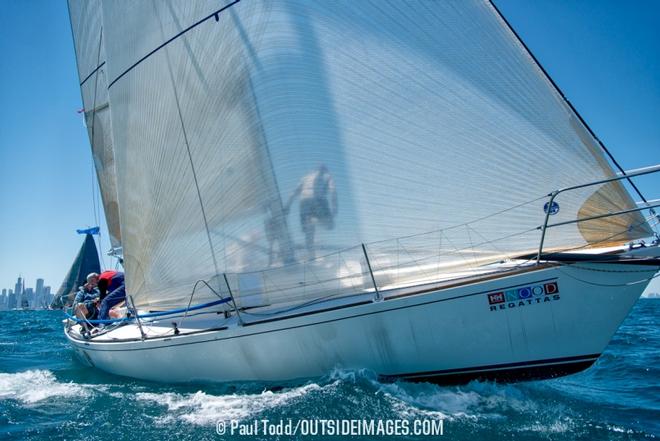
[{"x": 524, "y": 296}]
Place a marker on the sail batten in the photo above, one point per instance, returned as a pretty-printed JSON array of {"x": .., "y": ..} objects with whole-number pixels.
[{"x": 263, "y": 142}]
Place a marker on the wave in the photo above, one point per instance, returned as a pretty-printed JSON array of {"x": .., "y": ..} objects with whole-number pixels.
[
  {"x": 35, "y": 386},
  {"x": 200, "y": 408},
  {"x": 477, "y": 400},
  {"x": 358, "y": 391},
  {"x": 533, "y": 409}
]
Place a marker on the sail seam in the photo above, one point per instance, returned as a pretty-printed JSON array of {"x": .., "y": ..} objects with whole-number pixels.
[{"x": 212, "y": 15}]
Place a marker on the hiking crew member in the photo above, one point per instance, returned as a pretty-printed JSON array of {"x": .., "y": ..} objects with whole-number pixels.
[
  {"x": 87, "y": 299},
  {"x": 113, "y": 291}
]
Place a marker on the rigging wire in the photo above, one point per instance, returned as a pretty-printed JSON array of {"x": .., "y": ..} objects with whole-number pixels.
[
  {"x": 190, "y": 158},
  {"x": 608, "y": 238},
  {"x": 92, "y": 73},
  {"x": 193, "y": 293},
  {"x": 635, "y": 282},
  {"x": 327, "y": 297}
]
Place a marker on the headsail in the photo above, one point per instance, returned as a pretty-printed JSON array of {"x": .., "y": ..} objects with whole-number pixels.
[
  {"x": 87, "y": 261},
  {"x": 415, "y": 117},
  {"x": 87, "y": 26}
]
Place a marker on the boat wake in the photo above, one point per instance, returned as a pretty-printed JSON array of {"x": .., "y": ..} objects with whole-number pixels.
[
  {"x": 39, "y": 386},
  {"x": 360, "y": 394},
  {"x": 203, "y": 409},
  {"x": 517, "y": 410}
]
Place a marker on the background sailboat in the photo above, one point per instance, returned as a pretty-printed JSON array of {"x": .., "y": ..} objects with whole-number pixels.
[{"x": 86, "y": 261}]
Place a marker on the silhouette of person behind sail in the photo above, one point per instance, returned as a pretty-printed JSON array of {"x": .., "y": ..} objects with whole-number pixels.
[{"x": 318, "y": 204}]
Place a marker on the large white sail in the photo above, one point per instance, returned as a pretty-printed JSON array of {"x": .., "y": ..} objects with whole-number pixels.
[
  {"x": 274, "y": 132},
  {"x": 87, "y": 27}
]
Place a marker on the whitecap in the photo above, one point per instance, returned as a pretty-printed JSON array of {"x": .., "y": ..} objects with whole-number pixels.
[
  {"x": 201, "y": 408},
  {"x": 37, "y": 385},
  {"x": 619, "y": 429},
  {"x": 561, "y": 425},
  {"x": 352, "y": 375},
  {"x": 474, "y": 401}
]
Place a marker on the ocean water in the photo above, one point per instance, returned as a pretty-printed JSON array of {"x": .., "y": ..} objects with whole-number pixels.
[{"x": 45, "y": 393}]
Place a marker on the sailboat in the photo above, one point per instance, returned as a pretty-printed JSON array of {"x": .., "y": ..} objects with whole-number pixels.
[
  {"x": 301, "y": 186},
  {"x": 86, "y": 261}
]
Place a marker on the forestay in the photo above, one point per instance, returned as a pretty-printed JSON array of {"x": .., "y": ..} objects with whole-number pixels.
[{"x": 274, "y": 133}]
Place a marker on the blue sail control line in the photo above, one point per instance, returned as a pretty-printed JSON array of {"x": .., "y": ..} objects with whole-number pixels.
[{"x": 150, "y": 315}]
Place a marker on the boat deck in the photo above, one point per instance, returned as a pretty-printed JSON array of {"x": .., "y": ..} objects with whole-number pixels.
[{"x": 218, "y": 319}]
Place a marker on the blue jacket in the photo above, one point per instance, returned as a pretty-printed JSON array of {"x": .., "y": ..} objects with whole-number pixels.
[{"x": 86, "y": 297}]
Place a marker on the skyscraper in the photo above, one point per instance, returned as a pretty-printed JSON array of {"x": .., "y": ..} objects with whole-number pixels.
[
  {"x": 38, "y": 294},
  {"x": 29, "y": 297},
  {"x": 38, "y": 289},
  {"x": 18, "y": 288},
  {"x": 11, "y": 300},
  {"x": 48, "y": 297}
]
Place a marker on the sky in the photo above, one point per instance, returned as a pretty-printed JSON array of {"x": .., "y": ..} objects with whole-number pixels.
[
  {"x": 603, "y": 54},
  {"x": 45, "y": 159}
]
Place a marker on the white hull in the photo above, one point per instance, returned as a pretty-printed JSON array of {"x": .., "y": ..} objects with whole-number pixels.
[{"x": 445, "y": 336}]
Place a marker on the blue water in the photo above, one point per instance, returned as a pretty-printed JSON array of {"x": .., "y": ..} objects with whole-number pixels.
[{"x": 45, "y": 393}]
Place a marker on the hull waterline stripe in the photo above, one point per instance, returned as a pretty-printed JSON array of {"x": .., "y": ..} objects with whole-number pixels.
[
  {"x": 508, "y": 375},
  {"x": 492, "y": 367}
]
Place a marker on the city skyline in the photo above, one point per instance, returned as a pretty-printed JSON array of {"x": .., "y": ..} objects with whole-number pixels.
[{"x": 39, "y": 297}]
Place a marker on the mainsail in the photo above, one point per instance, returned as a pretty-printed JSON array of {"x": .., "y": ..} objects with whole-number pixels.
[
  {"x": 86, "y": 261},
  {"x": 87, "y": 29},
  {"x": 427, "y": 121}
]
